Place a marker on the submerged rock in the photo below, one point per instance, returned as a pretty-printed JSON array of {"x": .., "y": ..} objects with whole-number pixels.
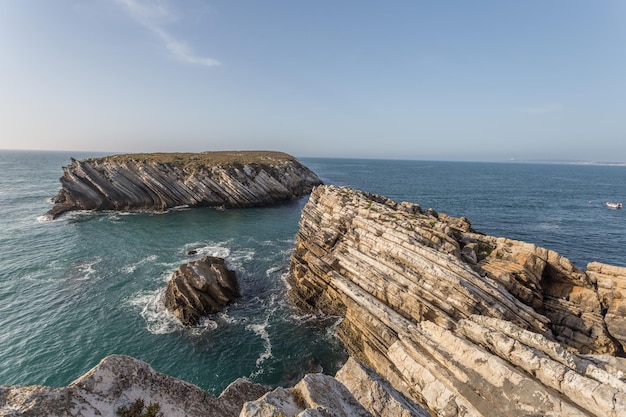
[
  {"x": 462, "y": 323},
  {"x": 199, "y": 288},
  {"x": 162, "y": 181}
]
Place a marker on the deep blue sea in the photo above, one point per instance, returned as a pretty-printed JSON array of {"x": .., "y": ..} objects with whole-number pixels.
[{"x": 87, "y": 285}]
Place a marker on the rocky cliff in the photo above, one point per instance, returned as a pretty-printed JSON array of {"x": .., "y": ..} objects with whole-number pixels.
[
  {"x": 462, "y": 323},
  {"x": 162, "y": 181},
  {"x": 119, "y": 382}
]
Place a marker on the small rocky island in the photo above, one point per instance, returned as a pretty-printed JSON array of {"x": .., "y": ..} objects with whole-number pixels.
[
  {"x": 161, "y": 181},
  {"x": 199, "y": 288},
  {"x": 438, "y": 318}
]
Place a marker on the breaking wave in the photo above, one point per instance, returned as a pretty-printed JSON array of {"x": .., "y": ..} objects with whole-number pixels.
[{"x": 152, "y": 309}]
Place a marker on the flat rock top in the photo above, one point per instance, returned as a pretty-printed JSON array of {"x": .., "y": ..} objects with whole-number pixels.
[{"x": 209, "y": 158}]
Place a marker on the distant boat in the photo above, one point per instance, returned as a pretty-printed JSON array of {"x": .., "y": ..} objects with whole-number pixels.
[{"x": 614, "y": 205}]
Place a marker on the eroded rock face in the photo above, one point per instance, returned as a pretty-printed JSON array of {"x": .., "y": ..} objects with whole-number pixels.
[
  {"x": 611, "y": 283},
  {"x": 356, "y": 391},
  {"x": 375, "y": 394},
  {"x": 463, "y": 323},
  {"x": 118, "y": 381},
  {"x": 199, "y": 288},
  {"x": 161, "y": 181}
]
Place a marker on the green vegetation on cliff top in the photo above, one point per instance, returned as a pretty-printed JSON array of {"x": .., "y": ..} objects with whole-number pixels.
[{"x": 209, "y": 158}]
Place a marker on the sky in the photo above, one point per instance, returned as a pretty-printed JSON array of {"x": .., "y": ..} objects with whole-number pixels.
[{"x": 427, "y": 80}]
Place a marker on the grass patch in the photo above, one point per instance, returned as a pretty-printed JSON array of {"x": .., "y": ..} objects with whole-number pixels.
[
  {"x": 483, "y": 251},
  {"x": 202, "y": 159},
  {"x": 458, "y": 235}
]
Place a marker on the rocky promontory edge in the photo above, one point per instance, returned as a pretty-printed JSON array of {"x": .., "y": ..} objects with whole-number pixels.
[
  {"x": 120, "y": 381},
  {"x": 161, "y": 181},
  {"x": 462, "y": 323}
]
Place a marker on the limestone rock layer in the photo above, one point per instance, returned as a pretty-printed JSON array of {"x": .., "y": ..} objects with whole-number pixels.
[
  {"x": 118, "y": 381},
  {"x": 462, "y": 323},
  {"x": 163, "y": 181},
  {"x": 199, "y": 288}
]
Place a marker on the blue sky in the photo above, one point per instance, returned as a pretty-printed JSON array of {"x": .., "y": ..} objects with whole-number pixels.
[{"x": 446, "y": 80}]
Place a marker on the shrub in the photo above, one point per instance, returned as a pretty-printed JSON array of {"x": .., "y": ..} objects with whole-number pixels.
[{"x": 136, "y": 409}]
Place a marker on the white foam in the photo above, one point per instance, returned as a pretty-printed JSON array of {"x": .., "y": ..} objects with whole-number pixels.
[
  {"x": 44, "y": 218},
  {"x": 261, "y": 330},
  {"x": 159, "y": 320},
  {"x": 332, "y": 329},
  {"x": 152, "y": 309},
  {"x": 273, "y": 269},
  {"x": 207, "y": 324},
  {"x": 129, "y": 269},
  {"x": 244, "y": 254},
  {"x": 222, "y": 316},
  {"x": 218, "y": 249},
  {"x": 75, "y": 214},
  {"x": 85, "y": 268}
]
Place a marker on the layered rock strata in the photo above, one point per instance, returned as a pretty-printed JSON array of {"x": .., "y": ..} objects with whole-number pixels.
[
  {"x": 163, "y": 181},
  {"x": 462, "y": 323},
  {"x": 120, "y": 381},
  {"x": 611, "y": 283},
  {"x": 199, "y": 288},
  {"x": 356, "y": 391}
]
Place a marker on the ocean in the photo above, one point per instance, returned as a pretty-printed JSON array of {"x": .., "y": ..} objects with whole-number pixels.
[{"x": 88, "y": 285}]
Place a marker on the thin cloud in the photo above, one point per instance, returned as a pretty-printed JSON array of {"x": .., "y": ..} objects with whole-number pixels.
[
  {"x": 544, "y": 108},
  {"x": 154, "y": 15}
]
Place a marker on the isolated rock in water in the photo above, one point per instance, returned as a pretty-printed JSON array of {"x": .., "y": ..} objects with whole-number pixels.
[
  {"x": 462, "y": 323},
  {"x": 119, "y": 381},
  {"x": 161, "y": 181},
  {"x": 200, "y": 288}
]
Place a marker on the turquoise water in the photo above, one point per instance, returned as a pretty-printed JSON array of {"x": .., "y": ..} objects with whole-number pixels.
[{"x": 87, "y": 285}]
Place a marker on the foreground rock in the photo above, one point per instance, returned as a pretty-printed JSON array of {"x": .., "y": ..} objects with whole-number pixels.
[
  {"x": 199, "y": 288},
  {"x": 462, "y": 323},
  {"x": 119, "y": 381},
  {"x": 162, "y": 181}
]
